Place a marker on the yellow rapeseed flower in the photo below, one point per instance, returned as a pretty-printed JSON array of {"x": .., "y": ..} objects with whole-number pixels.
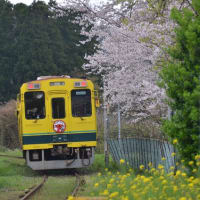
[
  {"x": 163, "y": 158},
  {"x": 99, "y": 174},
  {"x": 173, "y": 154},
  {"x": 114, "y": 194},
  {"x": 191, "y": 163},
  {"x": 175, "y": 141},
  {"x": 191, "y": 185},
  {"x": 150, "y": 164},
  {"x": 178, "y": 172},
  {"x": 112, "y": 180},
  {"x": 194, "y": 170},
  {"x": 133, "y": 187},
  {"x": 197, "y": 157},
  {"x": 141, "y": 167},
  {"x": 124, "y": 198},
  {"x": 122, "y": 161},
  {"x": 183, "y": 198},
  {"x": 184, "y": 174},
  {"x": 160, "y": 166},
  {"x": 70, "y": 198},
  {"x": 96, "y": 184},
  {"x": 146, "y": 180},
  {"x": 175, "y": 188},
  {"x": 105, "y": 192}
]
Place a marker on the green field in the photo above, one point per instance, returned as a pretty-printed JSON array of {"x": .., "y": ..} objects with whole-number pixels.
[{"x": 114, "y": 182}]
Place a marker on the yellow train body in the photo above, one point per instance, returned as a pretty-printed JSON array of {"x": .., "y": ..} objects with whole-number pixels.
[{"x": 57, "y": 115}]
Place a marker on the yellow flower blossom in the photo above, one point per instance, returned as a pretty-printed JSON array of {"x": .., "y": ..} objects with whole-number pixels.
[
  {"x": 173, "y": 154},
  {"x": 124, "y": 198},
  {"x": 150, "y": 164},
  {"x": 133, "y": 187},
  {"x": 197, "y": 157},
  {"x": 175, "y": 188},
  {"x": 191, "y": 185},
  {"x": 141, "y": 167},
  {"x": 178, "y": 172},
  {"x": 175, "y": 141},
  {"x": 114, "y": 194},
  {"x": 160, "y": 166},
  {"x": 96, "y": 184},
  {"x": 105, "y": 192},
  {"x": 122, "y": 161},
  {"x": 194, "y": 170},
  {"x": 184, "y": 174},
  {"x": 191, "y": 163},
  {"x": 99, "y": 174},
  {"x": 183, "y": 198},
  {"x": 70, "y": 198},
  {"x": 163, "y": 158}
]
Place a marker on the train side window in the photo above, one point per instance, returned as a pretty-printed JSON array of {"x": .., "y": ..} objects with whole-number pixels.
[
  {"x": 34, "y": 105},
  {"x": 58, "y": 108},
  {"x": 81, "y": 103}
]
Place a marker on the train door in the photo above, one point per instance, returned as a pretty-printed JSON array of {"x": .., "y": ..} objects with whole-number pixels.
[{"x": 58, "y": 105}]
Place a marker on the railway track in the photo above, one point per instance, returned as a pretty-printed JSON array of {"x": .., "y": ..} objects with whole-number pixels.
[
  {"x": 34, "y": 190},
  {"x": 80, "y": 181}
]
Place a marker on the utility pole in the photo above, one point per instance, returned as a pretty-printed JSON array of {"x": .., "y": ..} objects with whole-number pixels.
[
  {"x": 105, "y": 131},
  {"x": 119, "y": 122}
]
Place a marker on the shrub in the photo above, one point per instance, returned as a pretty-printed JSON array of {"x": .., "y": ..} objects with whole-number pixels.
[{"x": 8, "y": 125}]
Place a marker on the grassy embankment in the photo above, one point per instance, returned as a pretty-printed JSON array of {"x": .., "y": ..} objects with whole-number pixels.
[
  {"x": 152, "y": 184},
  {"x": 16, "y": 178},
  {"x": 114, "y": 182}
]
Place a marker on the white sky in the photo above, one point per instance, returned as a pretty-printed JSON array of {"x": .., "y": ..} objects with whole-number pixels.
[{"x": 28, "y": 2}]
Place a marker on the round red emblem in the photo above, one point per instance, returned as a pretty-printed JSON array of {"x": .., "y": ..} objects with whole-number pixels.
[{"x": 59, "y": 126}]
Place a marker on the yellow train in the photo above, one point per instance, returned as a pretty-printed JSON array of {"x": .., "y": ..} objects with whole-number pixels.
[{"x": 57, "y": 122}]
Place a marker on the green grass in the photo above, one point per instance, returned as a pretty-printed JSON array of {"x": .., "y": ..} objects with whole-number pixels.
[{"x": 16, "y": 177}]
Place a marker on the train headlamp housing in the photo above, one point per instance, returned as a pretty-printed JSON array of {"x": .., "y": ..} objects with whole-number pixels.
[
  {"x": 80, "y": 84},
  {"x": 33, "y": 86}
]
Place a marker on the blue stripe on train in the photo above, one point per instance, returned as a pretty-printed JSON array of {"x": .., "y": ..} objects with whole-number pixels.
[{"x": 45, "y": 139}]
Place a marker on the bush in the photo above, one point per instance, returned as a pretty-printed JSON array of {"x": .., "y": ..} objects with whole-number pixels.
[
  {"x": 180, "y": 78},
  {"x": 8, "y": 125}
]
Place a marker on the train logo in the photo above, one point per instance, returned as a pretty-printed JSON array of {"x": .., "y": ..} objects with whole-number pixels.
[{"x": 59, "y": 126}]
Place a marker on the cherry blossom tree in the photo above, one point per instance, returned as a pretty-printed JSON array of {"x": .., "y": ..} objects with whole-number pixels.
[{"x": 132, "y": 37}]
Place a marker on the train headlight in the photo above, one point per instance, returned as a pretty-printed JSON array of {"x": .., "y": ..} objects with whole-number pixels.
[
  {"x": 33, "y": 86},
  {"x": 80, "y": 84}
]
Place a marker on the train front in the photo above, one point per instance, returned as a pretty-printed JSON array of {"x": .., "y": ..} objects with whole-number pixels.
[{"x": 57, "y": 122}]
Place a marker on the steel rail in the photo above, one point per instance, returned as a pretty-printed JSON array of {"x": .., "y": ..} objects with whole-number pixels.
[
  {"x": 79, "y": 182},
  {"x": 35, "y": 189}
]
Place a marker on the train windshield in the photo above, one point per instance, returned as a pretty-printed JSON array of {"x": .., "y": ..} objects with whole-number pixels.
[
  {"x": 34, "y": 105},
  {"x": 81, "y": 103}
]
